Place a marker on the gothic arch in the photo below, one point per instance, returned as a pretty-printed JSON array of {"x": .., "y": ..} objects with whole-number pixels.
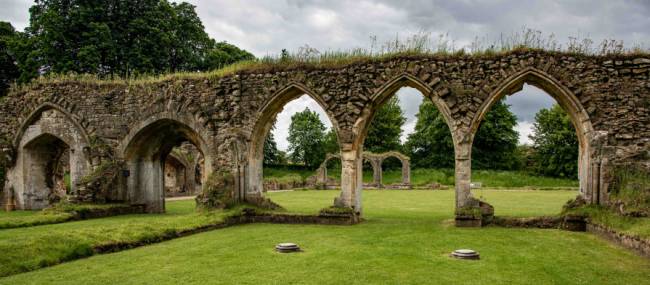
[
  {"x": 145, "y": 148},
  {"x": 35, "y": 115},
  {"x": 384, "y": 93},
  {"x": 48, "y": 138},
  {"x": 566, "y": 99},
  {"x": 263, "y": 124}
]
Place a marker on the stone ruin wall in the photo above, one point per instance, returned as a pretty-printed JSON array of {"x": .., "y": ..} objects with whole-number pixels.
[{"x": 614, "y": 93}]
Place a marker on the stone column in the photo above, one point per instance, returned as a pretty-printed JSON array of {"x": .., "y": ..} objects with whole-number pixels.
[
  {"x": 406, "y": 172},
  {"x": 463, "y": 174},
  {"x": 351, "y": 180},
  {"x": 377, "y": 172}
]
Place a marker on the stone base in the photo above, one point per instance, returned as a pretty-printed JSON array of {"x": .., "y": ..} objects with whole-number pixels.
[
  {"x": 468, "y": 222},
  {"x": 575, "y": 223}
]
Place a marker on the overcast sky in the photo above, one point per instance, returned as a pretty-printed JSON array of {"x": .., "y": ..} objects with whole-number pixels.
[{"x": 266, "y": 27}]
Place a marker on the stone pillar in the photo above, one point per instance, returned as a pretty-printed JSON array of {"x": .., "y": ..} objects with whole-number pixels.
[
  {"x": 351, "y": 180},
  {"x": 463, "y": 174},
  {"x": 406, "y": 172},
  {"x": 377, "y": 172}
]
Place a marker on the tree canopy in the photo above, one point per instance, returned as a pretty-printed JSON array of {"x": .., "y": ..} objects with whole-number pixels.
[
  {"x": 118, "y": 37},
  {"x": 8, "y": 68},
  {"x": 495, "y": 144},
  {"x": 555, "y": 143},
  {"x": 430, "y": 145},
  {"x": 386, "y": 128},
  {"x": 306, "y": 138}
]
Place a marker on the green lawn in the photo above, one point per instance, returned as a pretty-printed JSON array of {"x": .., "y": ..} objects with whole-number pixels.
[
  {"x": 425, "y": 177},
  {"x": 405, "y": 239},
  {"x": 25, "y": 249},
  {"x": 29, "y": 218}
]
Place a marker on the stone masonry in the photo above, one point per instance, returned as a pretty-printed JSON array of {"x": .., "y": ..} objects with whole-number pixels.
[{"x": 228, "y": 117}]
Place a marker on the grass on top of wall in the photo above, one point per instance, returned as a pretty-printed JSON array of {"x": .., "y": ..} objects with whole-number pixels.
[{"x": 417, "y": 45}]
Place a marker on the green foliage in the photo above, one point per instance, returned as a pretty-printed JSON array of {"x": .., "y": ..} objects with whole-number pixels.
[
  {"x": 272, "y": 155},
  {"x": 225, "y": 54},
  {"x": 118, "y": 38},
  {"x": 430, "y": 145},
  {"x": 495, "y": 143},
  {"x": 386, "y": 128},
  {"x": 218, "y": 191},
  {"x": 331, "y": 143},
  {"x": 630, "y": 192},
  {"x": 306, "y": 137},
  {"x": 8, "y": 68},
  {"x": 555, "y": 143}
]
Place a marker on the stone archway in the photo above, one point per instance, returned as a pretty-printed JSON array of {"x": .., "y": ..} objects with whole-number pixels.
[
  {"x": 145, "y": 150},
  {"x": 254, "y": 176},
  {"x": 375, "y": 160},
  {"x": 406, "y": 166},
  {"x": 590, "y": 166},
  {"x": 433, "y": 91},
  {"x": 50, "y": 145}
]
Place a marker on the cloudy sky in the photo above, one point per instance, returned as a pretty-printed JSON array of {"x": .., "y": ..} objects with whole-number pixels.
[{"x": 266, "y": 27}]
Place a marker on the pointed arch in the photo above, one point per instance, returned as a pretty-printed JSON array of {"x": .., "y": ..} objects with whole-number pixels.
[
  {"x": 263, "y": 124},
  {"x": 36, "y": 114},
  {"x": 384, "y": 93},
  {"x": 565, "y": 98},
  {"x": 145, "y": 148},
  {"x": 515, "y": 82}
]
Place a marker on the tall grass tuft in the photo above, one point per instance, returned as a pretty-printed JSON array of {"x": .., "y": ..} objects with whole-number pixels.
[{"x": 419, "y": 44}]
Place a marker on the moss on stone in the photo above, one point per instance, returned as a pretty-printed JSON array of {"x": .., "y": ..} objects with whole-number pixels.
[{"x": 217, "y": 192}]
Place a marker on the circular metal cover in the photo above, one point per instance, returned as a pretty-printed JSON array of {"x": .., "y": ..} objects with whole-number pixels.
[{"x": 465, "y": 254}]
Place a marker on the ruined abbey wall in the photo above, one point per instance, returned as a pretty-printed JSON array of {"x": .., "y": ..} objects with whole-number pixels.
[{"x": 608, "y": 99}]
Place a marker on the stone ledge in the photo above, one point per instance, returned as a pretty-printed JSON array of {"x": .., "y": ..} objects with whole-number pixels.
[{"x": 636, "y": 244}]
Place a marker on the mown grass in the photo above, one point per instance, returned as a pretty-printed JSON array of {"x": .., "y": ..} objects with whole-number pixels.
[
  {"x": 405, "y": 239},
  {"x": 29, "y": 248},
  {"x": 421, "y": 177},
  {"x": 59, "y": 213},
  {"x": 635, "y": 226}
]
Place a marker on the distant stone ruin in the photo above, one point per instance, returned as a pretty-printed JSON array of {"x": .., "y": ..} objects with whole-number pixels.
[{"x": 376, "y": 160}]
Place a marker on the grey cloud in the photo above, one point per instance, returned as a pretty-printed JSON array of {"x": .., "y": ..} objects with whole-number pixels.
[{"x": 266, "y": 27}]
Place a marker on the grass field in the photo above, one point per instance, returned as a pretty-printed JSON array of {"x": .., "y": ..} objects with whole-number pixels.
[
  {"x": 405, "y": 239},
  {"x": 25, "y": 249},
  {"x": 424, "y": 177}
]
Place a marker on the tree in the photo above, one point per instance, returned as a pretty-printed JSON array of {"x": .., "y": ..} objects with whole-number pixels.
[
  {"x": 386, "y": 128},
  {"x": 430, "y": 145},
  {"x": 555, "y": 143},
  {"x": 495, "y": 144},
  {"x": 118, "y": 37},
  {"x": 306, "y": 136},
  {"x": 8, "y": 68},
  {"x": 331, "y": 143},
  {"x": 225, "y": 54},
  {"x": 271, "y": 152}
]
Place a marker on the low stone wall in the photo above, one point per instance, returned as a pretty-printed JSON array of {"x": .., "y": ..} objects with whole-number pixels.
[
  {"x": 275, "y": 218},
  {"x": 533, "y": 222},
  {"x": 636, "y": 244}
]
